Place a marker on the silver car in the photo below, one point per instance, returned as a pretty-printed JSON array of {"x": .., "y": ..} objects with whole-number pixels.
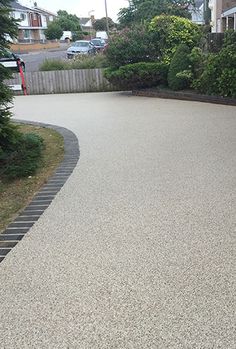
[{"x": 81, "y": 47}]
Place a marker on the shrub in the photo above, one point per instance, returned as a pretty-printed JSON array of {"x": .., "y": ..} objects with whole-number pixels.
[
  {"x": 24, "y": 159},
  {"x": 89, "y": 62},
  {"x": 53, "y": 31},
  {"x": 179, "y": 74},
  {"x": 53, "y": 64},
  {"x": 80, "y": 62},
  {"x": 132, "y": 45},
  {"x": 138, "y": 75},
  {"x": 218, "y": 76},
  {"x": 171, "y": 31}
]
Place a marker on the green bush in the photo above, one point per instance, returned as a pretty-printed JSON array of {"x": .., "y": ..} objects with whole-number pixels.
[
  {"x": 171, "y": 31},
  {"x": 218, "y": 76},
  {"x": 89, "y": 62},
  {"x": 80, "y": 62},
  {"x": 132, "y": 45},
  {"x": 179, "y": 74},
  {"x": 138, "y": 75},
  {"x": 53, "y": 64},
  {"x": 24, "y": 160}
]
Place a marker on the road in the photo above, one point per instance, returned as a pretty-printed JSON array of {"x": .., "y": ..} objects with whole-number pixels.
[
  {"x": 138, "y": 248},
  {"x": 33, "y": 60}
]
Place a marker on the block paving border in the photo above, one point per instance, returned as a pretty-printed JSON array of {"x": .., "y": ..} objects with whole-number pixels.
[{"x": 40, "y": 202}]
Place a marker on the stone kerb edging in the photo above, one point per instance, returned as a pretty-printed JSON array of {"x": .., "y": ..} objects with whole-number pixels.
[
  {"x": 184, "y": 95},
  {"x": 40, "y": 202}
]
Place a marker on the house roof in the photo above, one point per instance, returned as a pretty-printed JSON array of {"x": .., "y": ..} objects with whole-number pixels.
[
  {"x": 16, "y": 6},
  {"x": 42, "y": 10},
  {"x": 84, "y": 20}
]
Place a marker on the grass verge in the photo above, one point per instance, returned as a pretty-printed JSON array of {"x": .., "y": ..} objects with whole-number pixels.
[{"x": 15, "y": 195}]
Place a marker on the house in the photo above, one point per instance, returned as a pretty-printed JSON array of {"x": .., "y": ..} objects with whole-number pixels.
[
  {"x": 32, "y": 22},
  {"x": 86, "y": 23},
  {"x": 223, "y": 15},
  {"x": 46, "y": 15},
  {"x": 197, "y": 12}
]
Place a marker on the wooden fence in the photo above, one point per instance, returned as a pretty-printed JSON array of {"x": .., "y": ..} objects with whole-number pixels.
[{"x": 64, "y": 81}]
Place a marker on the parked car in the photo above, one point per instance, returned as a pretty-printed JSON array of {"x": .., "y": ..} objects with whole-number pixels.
[
  {"x": 81, "y": 47},
  {"x": 99, "y": 44},
  {"x": 6, "y": 56}
]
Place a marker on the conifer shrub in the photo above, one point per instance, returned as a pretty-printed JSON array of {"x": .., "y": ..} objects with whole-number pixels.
[
  {"x": 179, "y": 75},
  {"x": 24, "y": 159}
]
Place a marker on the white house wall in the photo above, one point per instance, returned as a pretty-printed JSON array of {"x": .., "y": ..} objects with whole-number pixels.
[
  {"x": 44, "y": 21},
  {"x": 18, "y": 15}
]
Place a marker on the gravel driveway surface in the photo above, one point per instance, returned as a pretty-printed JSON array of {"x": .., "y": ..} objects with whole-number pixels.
[{"x": 138, "y": 248}]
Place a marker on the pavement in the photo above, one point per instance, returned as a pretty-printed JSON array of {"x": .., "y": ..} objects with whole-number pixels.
[{"x": 138, "y": 248}]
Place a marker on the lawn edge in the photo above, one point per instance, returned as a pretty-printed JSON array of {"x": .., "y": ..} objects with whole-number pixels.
[{"x": 17, "y": 229}]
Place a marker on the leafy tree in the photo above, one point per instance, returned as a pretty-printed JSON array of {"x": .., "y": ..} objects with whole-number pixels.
[
  {"x": 53, "y": 31},
  {"x": 132, "y": 45},
  {"x": 68, "y": 21},
  {"x": 101, "y": 24},
  {"x": 145, "y": 10},
  {"x": 171, "y": 31},
  {"x": 8, "y": 133}
]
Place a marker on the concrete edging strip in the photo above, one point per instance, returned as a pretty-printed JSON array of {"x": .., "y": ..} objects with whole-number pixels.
[{"x": 40, "y": 202}]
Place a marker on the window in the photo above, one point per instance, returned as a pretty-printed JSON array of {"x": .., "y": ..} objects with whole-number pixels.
[
  {"x": 22, "y": 16},
  {"x": 26, "y": 34}
]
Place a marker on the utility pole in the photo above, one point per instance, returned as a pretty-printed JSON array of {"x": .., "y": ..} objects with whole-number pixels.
[{"x": 107, "y": 23}]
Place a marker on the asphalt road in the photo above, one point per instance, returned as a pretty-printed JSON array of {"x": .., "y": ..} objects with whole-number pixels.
[
  {"x": 33, "y": 60},
  {"x": 138, "y": 248}
]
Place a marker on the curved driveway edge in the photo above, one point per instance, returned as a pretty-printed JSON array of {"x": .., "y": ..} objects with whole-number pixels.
[{"x": 40, "y": 202}]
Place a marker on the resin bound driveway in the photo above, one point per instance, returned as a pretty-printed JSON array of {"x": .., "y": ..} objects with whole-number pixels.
[{"x": 138, "y": 248}]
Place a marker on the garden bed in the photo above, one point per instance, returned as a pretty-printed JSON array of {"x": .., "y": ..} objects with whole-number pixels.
[{"x": 187, "y": 95}]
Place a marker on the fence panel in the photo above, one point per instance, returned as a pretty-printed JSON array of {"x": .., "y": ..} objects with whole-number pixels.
[{"x": 64, "y": 81}]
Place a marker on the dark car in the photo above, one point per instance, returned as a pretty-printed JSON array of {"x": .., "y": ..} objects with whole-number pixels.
[
  {"x": 99, "y": 44},
  {"x": 7, "y": 57}
]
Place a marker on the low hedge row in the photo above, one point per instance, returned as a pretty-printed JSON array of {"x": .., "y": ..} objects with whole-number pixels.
[{"x": 138, "y": 75}]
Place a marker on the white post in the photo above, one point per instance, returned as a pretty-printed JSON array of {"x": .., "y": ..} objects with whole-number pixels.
[
  {"x": 235, "y": 21},
  {"x": 227, "y": 22},
  {"x": 107, "y": 18}
]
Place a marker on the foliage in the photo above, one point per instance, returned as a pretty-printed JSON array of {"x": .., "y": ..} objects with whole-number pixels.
[
  {"x": 179, "y": 73},
  {"x": 144, "y": 10},
  {"x": 80, "y": 62},
  {"x": 132, "y": 46},
  {"x": 53, "y": 31},
  {"x": 68, "y": 22},
  {"x": 138, "y": 75},
  {"x": 198, "y": 61},
  {"x": 218, "y": 76},
  {"x": 8, "y": 133},
  {"x": 24, "y": 160},
  {"x": 101, "y": 24},
  {"x": 229, "y": 38},
  {"x": 171, "y": 31},
  {"x": 77, "y": 36},
  {"x": 64, "y": 22}
]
